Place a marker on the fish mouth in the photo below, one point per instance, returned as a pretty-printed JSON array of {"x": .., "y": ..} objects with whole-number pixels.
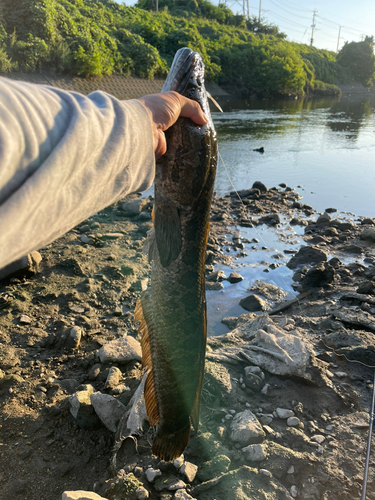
[{"x": 186, "y": 75}]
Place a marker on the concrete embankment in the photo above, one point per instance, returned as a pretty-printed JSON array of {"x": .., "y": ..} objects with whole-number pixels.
[{"x": 120, "y": 86}]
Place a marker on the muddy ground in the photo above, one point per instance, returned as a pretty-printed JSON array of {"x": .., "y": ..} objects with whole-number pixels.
[{"x": 306, "y": 430}]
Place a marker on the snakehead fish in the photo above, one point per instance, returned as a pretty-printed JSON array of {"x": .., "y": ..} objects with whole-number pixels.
[{"x": 172, "y": 311}]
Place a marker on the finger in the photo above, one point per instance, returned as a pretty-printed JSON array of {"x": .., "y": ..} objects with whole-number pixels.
[
  {"x": 191, "y": 109},
  {"x": 162, "y": 145}
]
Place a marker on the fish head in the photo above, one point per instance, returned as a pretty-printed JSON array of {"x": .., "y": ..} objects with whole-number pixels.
[{"x": 183, "y": 172}]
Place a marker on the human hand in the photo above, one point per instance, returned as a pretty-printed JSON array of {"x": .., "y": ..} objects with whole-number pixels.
[{"x": 164, "y": 110}]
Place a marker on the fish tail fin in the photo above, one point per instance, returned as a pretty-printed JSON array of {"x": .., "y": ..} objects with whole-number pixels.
[
  {"x": 169, "y": 445},
  {"x": 149, "y": 391}
]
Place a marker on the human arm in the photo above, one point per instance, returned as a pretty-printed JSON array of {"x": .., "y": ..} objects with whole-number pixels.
[{"x": 64, "y": 156}]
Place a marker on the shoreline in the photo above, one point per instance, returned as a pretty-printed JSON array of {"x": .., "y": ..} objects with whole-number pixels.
[
  {"x": 282, "y": 414},
  {"x": 133, "y": 87}
]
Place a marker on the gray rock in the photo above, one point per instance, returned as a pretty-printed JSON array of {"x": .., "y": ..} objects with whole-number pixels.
[
  {"x": 27, "y": 265},
  {"x": 318, "y": 438},
  {"x": 113, "y": 378},
  {"x": 356, "y": 249},
  {"x": 255, "y": 452},
  {"x": 366, "y": 288},
  {"x": 307, "y": 255},
  {"x": 252, "y": 303},
  {"x": 74, "y": 338},
  {"x": 94, "y": 371},
  {"x": 293, "y": 421},
  {"x": 83, "y": 411},
  {"x": 254, "y": 378},
  {"x": 368, "y": 235},
  {"x": 367, "y": 221},
  {"x": 135, "y": 207},
  {"x": 121, "y": 351},
  {"x": 216, "y": 276},
  {"x": 259, "y": 185},
  {"x": 217, "y": 285},
  {"x": 323, "y": 220},
  {"x": 335, "y": 262},
  {"x": 235, "y": 277},
  {"x": 81, "y": 495},
  {"x": 177, "y": 462},
  {"x": 70, "y": 385},
  {"x": 85, "y": 239},
  {"x": 284, "y": 413},
  {"x": 108, "y": 409},
  {"x": 189, "y": 470},
  {"x": 141, "y": 493},
  {"x": 152, "y": 474},
  {"x": 270, "y": 220},
  {"x": 24, "y": 320},
  {"x": 318, "y": 276},
  {"x": 246, "y": 429}
]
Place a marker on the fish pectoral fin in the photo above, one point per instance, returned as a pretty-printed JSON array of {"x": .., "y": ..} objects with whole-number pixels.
[
  {"x": 168, "y": 233},
  {"x": 149, "y": 391},
  {"x": 169, "y": 444}
]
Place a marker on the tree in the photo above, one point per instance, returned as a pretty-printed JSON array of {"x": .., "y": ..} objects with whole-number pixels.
[
  {"x": 359, "y": 59},
  {"x": 260, "y": 26}
]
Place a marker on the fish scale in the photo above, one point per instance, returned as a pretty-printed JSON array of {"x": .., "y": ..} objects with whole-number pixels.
[{"x": 172, "y": 311}]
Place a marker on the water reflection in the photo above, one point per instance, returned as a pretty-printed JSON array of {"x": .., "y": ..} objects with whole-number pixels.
[
  {"x": 327, "y": 145},
  {"x": 348, "y": 116}
]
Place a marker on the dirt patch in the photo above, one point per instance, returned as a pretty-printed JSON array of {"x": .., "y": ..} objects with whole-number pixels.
[{"x": 53, "y": 325}]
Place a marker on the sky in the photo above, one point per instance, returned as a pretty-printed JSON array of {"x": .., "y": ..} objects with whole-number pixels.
[{"x": 295, "y": 17}]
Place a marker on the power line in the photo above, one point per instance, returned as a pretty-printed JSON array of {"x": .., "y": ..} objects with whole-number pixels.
[
  {"x": 292, "y": 13},
  {"x": 287, "y": 20},
  {"x": 295, "y": 6}
]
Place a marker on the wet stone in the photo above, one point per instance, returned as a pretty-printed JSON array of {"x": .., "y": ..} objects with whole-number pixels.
[
  {"x": 235, "y": 277},
  {"x": 252, "y": 303},
  {"x": 217, "y": 285}
]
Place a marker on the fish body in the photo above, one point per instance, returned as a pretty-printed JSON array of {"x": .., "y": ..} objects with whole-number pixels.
[{"x": 172, "y": 312}]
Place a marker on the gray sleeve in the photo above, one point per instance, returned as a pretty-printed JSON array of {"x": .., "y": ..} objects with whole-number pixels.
[{"x": 63, "y": 157}]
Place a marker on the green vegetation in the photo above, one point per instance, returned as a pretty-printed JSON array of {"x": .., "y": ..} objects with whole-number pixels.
[
  {"x": 99, "y": 37},
  {"x": 359, "y": 60}
]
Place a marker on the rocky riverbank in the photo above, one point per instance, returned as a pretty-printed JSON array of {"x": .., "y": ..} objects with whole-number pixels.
[{"x": 284, "y": 409}]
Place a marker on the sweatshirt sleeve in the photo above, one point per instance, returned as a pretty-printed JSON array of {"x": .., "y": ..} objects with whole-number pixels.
[{"x": 63, "y": 157}]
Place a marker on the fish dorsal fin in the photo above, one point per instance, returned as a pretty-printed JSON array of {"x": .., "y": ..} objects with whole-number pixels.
[
  {"x": 168, "y": 233},
  {"x": 149, "y": 392}
]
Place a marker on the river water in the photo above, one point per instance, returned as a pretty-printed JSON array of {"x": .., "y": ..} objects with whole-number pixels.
[{"x": 326, "y": 146}]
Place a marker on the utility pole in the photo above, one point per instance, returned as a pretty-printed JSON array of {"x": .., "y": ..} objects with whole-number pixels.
[
  {"x": 248, "y": 9},
  {"x": 338, "y": 39},
  {"x": 156, "y": 5},
  {"x": 313, "y": 27},
  {"x": 260, "y": 8},
  {"x": 362, "y": 37}
]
